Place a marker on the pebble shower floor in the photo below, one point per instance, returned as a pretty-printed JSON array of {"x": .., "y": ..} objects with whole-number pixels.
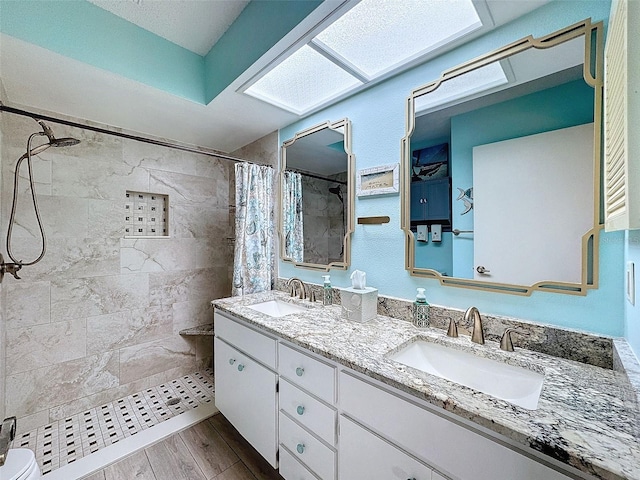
[{"x": 65, "y": 441}]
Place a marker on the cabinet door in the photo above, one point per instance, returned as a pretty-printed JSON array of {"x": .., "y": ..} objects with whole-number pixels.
[
  {"x": 246, "y": 396},
  {"x": 418, "y": 208},
  {"x": 365, "y": 455},
  {"x": 436, "y": 194}
]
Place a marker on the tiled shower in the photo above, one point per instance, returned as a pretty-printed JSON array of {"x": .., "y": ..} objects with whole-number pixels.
[{"x": 98, "y": 318}]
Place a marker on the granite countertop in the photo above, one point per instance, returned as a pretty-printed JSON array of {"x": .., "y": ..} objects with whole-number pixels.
[
  {"x": 585, "y": 418},
  {"x": 200, "y": 330}
]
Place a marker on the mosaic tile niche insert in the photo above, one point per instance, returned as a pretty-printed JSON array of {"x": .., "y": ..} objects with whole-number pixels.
[{"x": 146, "y": 215}]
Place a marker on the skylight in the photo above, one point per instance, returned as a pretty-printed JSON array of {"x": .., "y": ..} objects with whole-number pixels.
[
  {"x": 377, "y": 35},
  {"x": 374, "y": 39},
  {"x": 303, "y": 81},
  {"x": 464, "y": 86}
]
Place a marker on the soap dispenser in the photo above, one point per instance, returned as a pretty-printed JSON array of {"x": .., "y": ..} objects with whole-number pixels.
[
  {"x": 327, "y": 291},
  {"x": 420, "y": 310}
]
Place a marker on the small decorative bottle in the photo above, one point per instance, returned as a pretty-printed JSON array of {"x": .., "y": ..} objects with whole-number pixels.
[
  {"x": 420, "y": 310},
  {"x": 327, "y": 291}
]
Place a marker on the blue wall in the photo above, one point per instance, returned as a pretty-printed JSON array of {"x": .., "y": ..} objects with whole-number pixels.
[
  {"x": 632, "y": 312},
  {"x": 563, "y": 106},
  {"x": 90, "y": 34},
  {"x": 378, "y": 119}
]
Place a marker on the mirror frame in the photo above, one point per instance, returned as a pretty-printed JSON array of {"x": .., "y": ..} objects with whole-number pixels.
[
  {"x": 593, "y": 73},
  {"x": 344, "y": 124}
]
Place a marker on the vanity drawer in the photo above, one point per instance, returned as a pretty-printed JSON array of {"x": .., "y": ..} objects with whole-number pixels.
[
  {"x": 430, "y": 436},
  {"x": 309, "y": 373},
  {"x": 312, "y": 413},
  {"x": 365, "y": 455},
  {"x": 307, "y": 449},
  {"x": 259, "y": 346},
  {"x": 292, "y": 469}
]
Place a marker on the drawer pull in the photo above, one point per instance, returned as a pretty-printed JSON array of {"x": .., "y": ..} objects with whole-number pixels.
[
  {"x": 300, "y": 409},
  {"x": 232, "y": 361},
  {"x": 300, "y": 448},
  {"x": 240, "y": 367},
  {"x": 299, "y": 371}
]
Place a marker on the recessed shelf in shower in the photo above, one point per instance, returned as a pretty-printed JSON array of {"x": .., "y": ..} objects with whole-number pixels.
[{"x": 146, "y": 215}]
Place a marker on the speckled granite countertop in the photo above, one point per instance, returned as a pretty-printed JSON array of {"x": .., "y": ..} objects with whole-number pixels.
[
  {"x": 586, "y": 416},
  {"x": 200, "y": 330}
]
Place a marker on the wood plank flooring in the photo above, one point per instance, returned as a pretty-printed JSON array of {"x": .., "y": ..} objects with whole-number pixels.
[{"x": 210, "y": 450}]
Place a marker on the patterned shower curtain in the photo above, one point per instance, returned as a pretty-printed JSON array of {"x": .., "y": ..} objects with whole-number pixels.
[
  {"x": 254, "y": 257},
  {"x": 292, "y": 216}
]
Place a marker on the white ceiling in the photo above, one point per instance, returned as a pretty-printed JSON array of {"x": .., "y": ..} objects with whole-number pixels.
[
  {"x": 193, "y": 24},
  {"x": 38, "y": 79}
]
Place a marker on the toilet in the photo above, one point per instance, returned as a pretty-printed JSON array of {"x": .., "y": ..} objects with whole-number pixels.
[{"x": 20, "y": 465}]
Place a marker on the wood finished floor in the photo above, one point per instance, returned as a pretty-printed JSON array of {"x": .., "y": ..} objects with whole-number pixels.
[{"x": 210, "y": 450}]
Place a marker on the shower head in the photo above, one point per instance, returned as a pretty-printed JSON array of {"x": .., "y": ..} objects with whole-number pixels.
[
  {"x": 336, "y": 191},
  {"x": 57, "y": 142},
  {"x": 64, "y": 142},
  {"x": 53, "y": 141}
]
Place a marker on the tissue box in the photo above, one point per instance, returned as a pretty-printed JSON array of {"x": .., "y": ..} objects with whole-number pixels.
[{"x": 359, "y": 305}]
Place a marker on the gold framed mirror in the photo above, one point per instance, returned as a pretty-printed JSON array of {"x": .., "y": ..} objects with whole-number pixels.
[
  {"x": 317, "y": 197},
  {"x": 501, "y": 168}
]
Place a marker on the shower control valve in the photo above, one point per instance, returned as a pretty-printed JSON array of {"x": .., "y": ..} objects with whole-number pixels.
[{"x": 12, "y": 268}]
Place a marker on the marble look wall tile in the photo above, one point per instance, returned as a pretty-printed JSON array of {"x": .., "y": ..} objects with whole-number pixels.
[
  {"x": 188, "y": 221},
  {"x": 83, "y": 297},
  {"x": 96, "y": 178},
  {"x": 65, "y": 410},
  {"x": 204, "y": 348},
  {"x": 36, "y": 390},
  {"x": 70, "y": 257},
  {"x": 31, "y": 422},
  {"x": 263, "y": 151},
  {"x": 130, "y": 327},
  {"x": 206, "y": 284},
  {"x": 105, "y": 218},
  {"x": 41, "y": 166},
  {"x": 157, "y": 254},
  {"x": 147, "y": 359},
  {"x": 61, "y": 217},
  {"x": 191, "y": 314},
  {"x": 42, "y": 345},
  {"x": 184, "y": 189},
  {"x": 148, "y": 156},
  {"x": 26, "y": 304},
  {"x": 212, "y": 252}
]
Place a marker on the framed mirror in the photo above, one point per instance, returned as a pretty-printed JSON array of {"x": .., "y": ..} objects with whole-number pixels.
[
  {"x": 317, "y": 197},
  {"x": 501, "y": 162}
]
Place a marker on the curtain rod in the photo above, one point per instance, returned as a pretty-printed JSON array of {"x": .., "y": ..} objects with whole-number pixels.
[
  {"x": 17, "y": 111},
  {"x": 301, "y": 172}
]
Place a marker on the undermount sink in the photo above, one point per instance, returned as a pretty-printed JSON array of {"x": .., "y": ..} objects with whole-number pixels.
[
  {"x": 277, "y": 308},
  {"x": 516, "y": 385}
]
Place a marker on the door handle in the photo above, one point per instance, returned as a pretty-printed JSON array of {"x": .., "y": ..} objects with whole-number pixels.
[{"x": 481, "y": 270}]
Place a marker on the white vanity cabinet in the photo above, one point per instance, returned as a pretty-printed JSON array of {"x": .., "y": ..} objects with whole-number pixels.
[
  {"x": 245, "y": 383},
  {"x": 318, "y": 420},
  {"x": 308, "y": 416}
]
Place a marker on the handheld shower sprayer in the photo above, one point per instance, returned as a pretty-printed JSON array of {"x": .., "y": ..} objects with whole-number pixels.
[{"x": 14, "y": 268}]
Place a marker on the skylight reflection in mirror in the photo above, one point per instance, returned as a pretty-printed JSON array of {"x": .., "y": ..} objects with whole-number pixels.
[
  {"x": 377, "y": 36},
  {"x": 464, "y": 86}
]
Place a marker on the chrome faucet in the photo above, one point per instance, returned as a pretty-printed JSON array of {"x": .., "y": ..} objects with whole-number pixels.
[
  {"x": 7, "y": 434},
  {"x": 477, "y": 335},
  {"x": 302, "y": 294},
  {"x": 506, "y": 342}
]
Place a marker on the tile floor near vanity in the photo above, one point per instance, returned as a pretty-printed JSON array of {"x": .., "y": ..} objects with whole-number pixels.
[{"x": 65, "y": 441}]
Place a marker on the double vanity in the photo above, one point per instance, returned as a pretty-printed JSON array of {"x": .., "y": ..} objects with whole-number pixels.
[{"x": 321, "y": 397}]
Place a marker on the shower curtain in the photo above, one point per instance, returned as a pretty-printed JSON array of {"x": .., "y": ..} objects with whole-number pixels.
[
  {"x": 292, "y": 216},
  {"x": 254, "y": 257}
]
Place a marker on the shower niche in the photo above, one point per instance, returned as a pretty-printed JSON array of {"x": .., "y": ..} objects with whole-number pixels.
[{"x": 146, "y": 215}]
